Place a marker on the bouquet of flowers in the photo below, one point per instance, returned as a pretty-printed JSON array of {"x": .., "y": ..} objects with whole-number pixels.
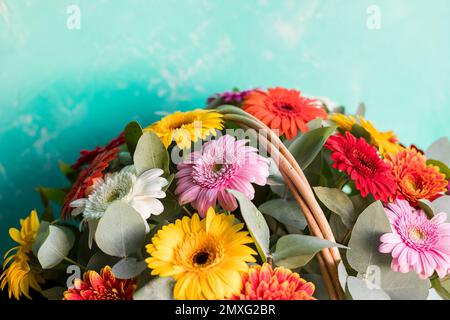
[{"x": 263, "y": 194}]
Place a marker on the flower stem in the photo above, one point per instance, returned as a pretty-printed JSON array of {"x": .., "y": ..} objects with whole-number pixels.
[{"x": 75, "y": 263}]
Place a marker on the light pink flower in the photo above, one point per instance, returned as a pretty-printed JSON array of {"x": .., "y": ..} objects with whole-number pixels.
[
  {"x": 221, "y": 164},
  {"x": 417, "y": 243}
]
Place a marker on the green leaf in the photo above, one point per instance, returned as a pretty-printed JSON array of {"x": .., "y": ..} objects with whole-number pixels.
[
  {"x": 55, "y": 247},
  {"x": 295, "y": 250},
  {"x": 275, "y": 178},
  {"x": 365, "y": 238},
  {"x": 133, "y": 132},
  {"x": 67, "y": 170},
  {"x": 100, "y": 260},
  {"x": 55, "y": 293},
  {"x": 359, "y": 132},
  {"x": 442, "y": 167},
  {"x": 361, "y": 110},
  {"x": 255, "y": 222},
  {"x": 338, "y": 202},
  {"x": 360, "y": 289},
  {"x": 120, "y": 231},
  {"x": 40, "y": 237},
  {"x": 440, "y": 150},
  {"x": 160, "y": 288},
  {"x": 442, "y": 204},
  {"x": 128, "y": 268},
  {"x": 342, "y": 274},
  {"x": 403, "y": 286},
  {"x": 54, "y": 194},
  {"x": 285, "y": 211},
  {"x": 306, "y": 147},
  {"x": 150, "y": 153}
]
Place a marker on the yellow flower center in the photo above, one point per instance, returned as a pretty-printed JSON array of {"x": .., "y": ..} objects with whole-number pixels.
[
  {"x": 200, "y": 251},
  {"x": 417, "y": 235}
]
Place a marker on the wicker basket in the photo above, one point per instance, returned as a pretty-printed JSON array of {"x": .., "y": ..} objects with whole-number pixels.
[{"x": 301, "y": 190}]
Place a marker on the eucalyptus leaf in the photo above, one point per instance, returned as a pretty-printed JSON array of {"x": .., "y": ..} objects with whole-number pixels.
[
  {"x": 99, "y": 260},
  {"x": 255, "y": 222},
  {"x": 160, "y": 288},
  {"x": 55, "y": 247},
  {"x": 359, "y": 132},
  {"x": 440, "y": 150},
  {"x": 360, "y": 289},
  {"x": 120, "y": 231},
  {"x": 128, "y": 268},
  {"x": 295, "y": 250},
  {"x": 150, "y": 153},
  {"x": 40, "y": 237},
  {"x": 361, "y": 110},
  {"x": 365, "y": 238},
  {"x": 275, "y": 178},
  {"x": 342, "y": 274},
  {"x": 285, "y": 211},
  {"x": 339, "y": 203},
  {"x": 133, "y": 132},
  {"x": 404, "y": 286},
  {"x": 442, "y": 167},
  {"x": 55, "y": 293},
  {"x": 306, "y": 147},
  {"x": 442, "y": 204},
  {"x": 54, "y": 194}
]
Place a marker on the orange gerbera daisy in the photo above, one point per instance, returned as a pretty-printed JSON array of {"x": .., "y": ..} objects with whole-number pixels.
[
  {"x": 283, "y": 110},
  {"x": 103, "y": 286},
  {"x": 265, "y": 283},
  {"x": 415, "y": 179}
]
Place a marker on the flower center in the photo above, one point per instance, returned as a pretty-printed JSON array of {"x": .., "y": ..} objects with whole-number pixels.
[
  {"x": 417, "y": 235},
  {"x": 217, "y": 167},
  {"x": 201, "y": 258},
  {"x": 286, "y": 107},
  {"x": 364, "y": 162},
  {"x": 180, "y": 122},
  {"x": 114, "y": 195}
]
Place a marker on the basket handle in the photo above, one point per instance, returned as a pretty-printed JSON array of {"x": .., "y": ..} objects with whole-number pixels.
[{"x": 328, "y": 258}]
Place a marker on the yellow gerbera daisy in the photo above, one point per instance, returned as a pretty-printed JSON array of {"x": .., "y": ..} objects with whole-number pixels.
[
  {"x": 18, "y": 274},
  {"x": 386, "y": 142},
  {"x": 206, "y": 257},
  {"x": 343, "y": 121},
  {"x": 187, "y": 127}
]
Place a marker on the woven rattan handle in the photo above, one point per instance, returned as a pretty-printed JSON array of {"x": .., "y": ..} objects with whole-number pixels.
[{"x": 301, "y": 190}]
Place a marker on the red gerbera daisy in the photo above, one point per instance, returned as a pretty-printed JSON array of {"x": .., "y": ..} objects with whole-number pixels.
[
  {"x": 88, "y": 155},
  {"x": 283, "y": 110},
  {"x": 364, "y": 166},
  {"x": 103, "y": 286},
  {"x": 87, "y": 177}
]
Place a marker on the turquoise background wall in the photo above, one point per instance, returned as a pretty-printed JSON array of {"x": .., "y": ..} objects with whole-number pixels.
[{"x": 62, "y": 90}]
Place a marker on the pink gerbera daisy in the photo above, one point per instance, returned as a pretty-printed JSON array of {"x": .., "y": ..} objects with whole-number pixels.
[
  {"x": 221, "y": 164},
  {"x": 417, "y": 243}
]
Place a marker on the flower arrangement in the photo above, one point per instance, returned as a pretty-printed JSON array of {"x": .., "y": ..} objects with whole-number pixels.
[{"x": 263, "y": 194}]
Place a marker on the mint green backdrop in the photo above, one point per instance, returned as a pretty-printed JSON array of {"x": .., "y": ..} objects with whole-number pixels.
[{"x": 63, "y": 90}]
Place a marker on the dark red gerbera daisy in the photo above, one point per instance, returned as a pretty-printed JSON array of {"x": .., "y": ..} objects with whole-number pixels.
[
  {"x": 363, "y": 164},
  {"x": 88, "y": 155},
  {"x": 283, "y": 110},
  {"x": 87, "y": 177}
]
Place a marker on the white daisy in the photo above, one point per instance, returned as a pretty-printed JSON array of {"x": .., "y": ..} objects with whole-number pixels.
[{"x": 141, "y": 192}]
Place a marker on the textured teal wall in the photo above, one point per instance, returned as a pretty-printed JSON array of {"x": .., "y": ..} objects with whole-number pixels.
[{"x": 63, "y": 90}]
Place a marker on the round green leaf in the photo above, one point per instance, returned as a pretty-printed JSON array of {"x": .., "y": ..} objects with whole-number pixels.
[
  {"x": 55, "y": 247},
  {"x": 120, "y": 231},
  {"x": 404, "y": 286},
  {"x": 160, "y": 288},
  {"x": 128, "y": 268},
  {"x": 360, "y": 290},
  {"x": 285, "y": 211},
  {"x": 365, "y": 238},
  {"x": 150, "y": 153},
  {"x": 133, "y": 132},
  {"x": 295, "y": 250},
  {"x": 338, "y": 202},
  {"x": 440, "y": 150},
  {"x": 255, "y": 222}
]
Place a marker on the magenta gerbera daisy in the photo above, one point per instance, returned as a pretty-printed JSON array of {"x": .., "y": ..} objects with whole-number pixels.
[
  {"x": 220, "y": 164},
  {"x": 416, "y": 242},
  {"x": 363, "y": 164}
]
